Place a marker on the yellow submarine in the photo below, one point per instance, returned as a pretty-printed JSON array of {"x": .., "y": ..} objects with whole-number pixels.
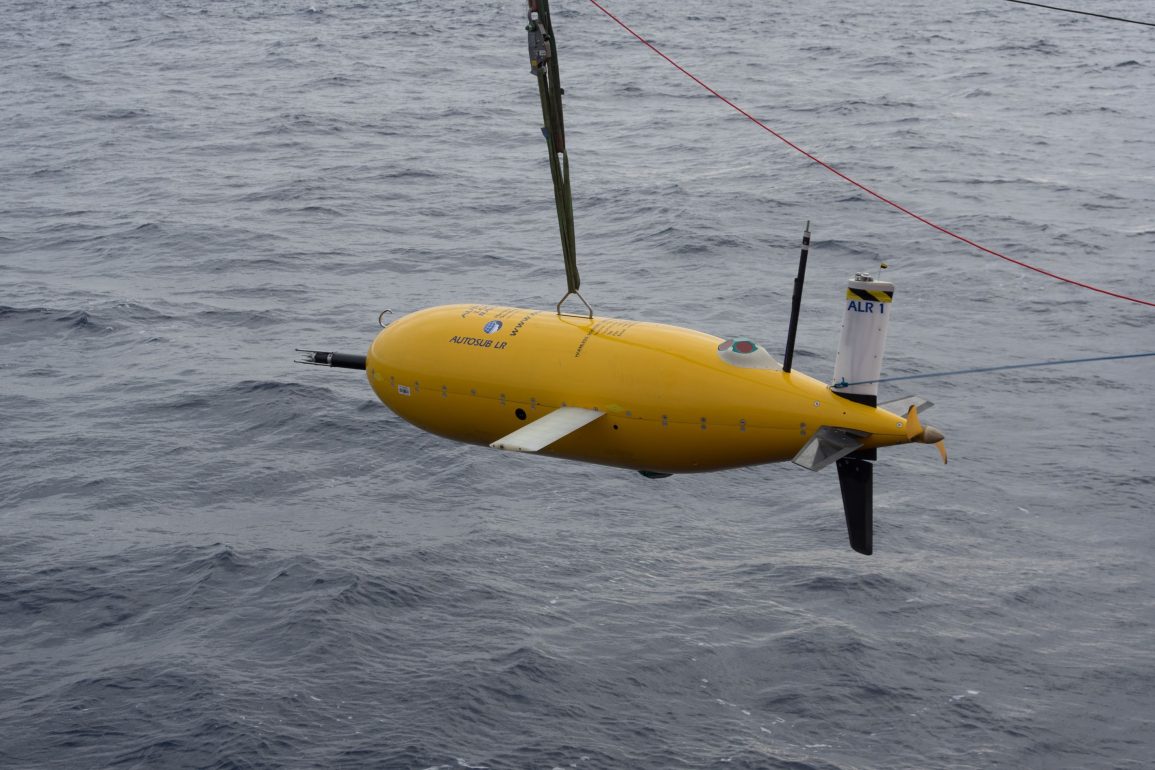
[{"x": 649, "y": 397}]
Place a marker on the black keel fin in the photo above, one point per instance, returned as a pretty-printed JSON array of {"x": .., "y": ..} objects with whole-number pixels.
[{"x": 856, "y": 478}]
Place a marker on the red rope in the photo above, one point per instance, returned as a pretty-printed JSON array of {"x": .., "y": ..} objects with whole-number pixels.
[{"x": 859, "y": 185}]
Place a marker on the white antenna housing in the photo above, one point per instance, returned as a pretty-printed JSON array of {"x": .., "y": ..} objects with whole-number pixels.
[{"x": 863, "y": 341}]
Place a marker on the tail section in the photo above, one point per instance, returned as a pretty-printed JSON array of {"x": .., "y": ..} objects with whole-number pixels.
[{"x": 857, "y": 366}]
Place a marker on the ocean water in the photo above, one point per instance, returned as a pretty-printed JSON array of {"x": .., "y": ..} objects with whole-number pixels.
[{"x": 211, "y": 557}]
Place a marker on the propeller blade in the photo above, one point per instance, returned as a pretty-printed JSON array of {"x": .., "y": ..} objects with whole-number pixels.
[
  {"x": 941, "y": 447},
  {"x": 856, "y": 478},
  {"x": 913, "y": 425}
]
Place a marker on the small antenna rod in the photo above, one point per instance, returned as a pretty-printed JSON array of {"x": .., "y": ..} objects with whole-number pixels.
[{"x": 796, "y": 302}]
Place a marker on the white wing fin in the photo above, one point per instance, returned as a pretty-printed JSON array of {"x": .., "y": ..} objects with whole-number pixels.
[
  {"x": 827, "y": 445},
  {"x": 901, "y": 405},
  {"x": 543, "y": 432}
]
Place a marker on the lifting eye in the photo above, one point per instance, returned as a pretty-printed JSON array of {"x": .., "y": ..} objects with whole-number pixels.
[{"x": 520, "y": 413}]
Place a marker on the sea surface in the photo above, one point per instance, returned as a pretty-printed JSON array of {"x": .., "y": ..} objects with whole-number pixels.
[{"x": 212, "y": 557}]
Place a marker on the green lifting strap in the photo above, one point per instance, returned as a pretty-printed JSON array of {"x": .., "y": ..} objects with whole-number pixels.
[{"x": 543, "y": 63}]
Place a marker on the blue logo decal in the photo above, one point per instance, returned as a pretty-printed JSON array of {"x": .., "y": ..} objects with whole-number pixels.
[{"x": 493, "y": 326}]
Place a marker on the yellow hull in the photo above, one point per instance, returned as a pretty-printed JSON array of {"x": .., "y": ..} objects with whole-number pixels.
[{"x": 674, "y": 402}]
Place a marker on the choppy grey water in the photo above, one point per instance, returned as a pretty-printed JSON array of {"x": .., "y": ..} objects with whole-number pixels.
[{"x": 211, "y": 557}]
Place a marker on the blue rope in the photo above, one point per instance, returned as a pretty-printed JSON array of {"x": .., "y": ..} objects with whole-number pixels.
[{"x": 845, "y": 384}]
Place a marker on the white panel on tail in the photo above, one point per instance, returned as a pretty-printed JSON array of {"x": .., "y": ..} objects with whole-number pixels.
[{"x": 863, "y": 341}]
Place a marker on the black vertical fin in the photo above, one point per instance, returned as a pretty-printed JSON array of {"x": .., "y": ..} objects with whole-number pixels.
[{"x": 856, "y": 477}]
